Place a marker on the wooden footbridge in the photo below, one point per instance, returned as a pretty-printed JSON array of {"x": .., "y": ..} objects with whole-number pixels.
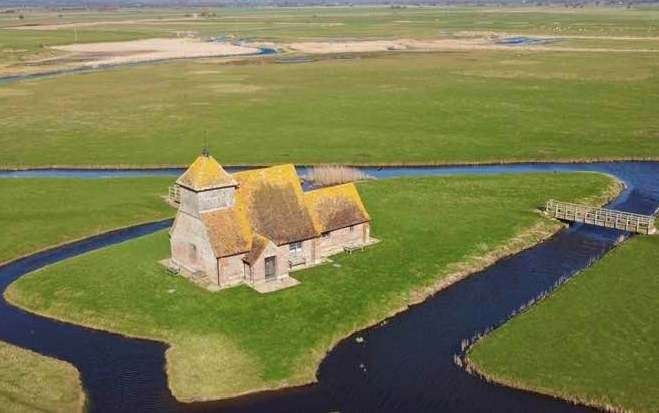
[{"x": 609, "y": 218}]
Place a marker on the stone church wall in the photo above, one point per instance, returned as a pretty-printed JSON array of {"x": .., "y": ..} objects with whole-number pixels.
[
  {"x": 232, "y": 270},
  {"x": 190, "y": 247},
  {"x": 336, "y": 240}
]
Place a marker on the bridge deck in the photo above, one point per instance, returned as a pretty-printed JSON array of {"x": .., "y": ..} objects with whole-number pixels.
[{"x": 609, "y": 218}]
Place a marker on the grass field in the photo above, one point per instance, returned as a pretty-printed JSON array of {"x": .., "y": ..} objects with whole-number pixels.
[
  {"x": 594, "y": 340},
  {"x": 39, "y": 213},
  {"x": 32, "y": 383},
  {"x": 406, "y": 108},
  {"x": 287, "y": 24},
  {"x": 315, "y": 23},
  {"x": 22, "y": 51},
  {"x": 421, "y": 108},
  {"x": 238, "y": 340}
]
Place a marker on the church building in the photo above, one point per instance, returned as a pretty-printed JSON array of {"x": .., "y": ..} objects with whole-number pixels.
[{"x": 256, "y": 226}]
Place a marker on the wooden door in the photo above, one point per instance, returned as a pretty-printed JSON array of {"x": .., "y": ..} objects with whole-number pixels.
[{"x": 270, "y": 267}]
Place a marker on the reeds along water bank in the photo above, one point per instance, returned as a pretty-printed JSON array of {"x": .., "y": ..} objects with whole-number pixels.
[{"x": 319, "y": 176}]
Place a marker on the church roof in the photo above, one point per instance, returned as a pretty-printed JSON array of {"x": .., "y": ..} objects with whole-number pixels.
[
  {"x": 270, "y": 206},
  {"x": 259, "y": 244},
  {"x": 335, "y": 207},
  {"x": 205, "y": 173},
  {"x": 228, "y": 230},
  {"x": 273, "y": 201}
]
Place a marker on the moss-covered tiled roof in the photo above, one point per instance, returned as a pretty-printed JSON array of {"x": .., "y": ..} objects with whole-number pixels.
[
  {"x": 273, "y": 201},
  {"x": 335, "y": 207},
  {"x": 229, "y": 231},
  {"x": 270, "y": 206},
  {"x": 205, "y": 173},
  {"x": 259, "y": 244}
]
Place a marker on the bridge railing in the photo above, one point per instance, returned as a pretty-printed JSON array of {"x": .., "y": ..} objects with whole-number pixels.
[{"x": 609, "y": 218}]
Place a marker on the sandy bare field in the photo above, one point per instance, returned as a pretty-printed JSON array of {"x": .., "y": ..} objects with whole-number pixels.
[
  {"x": 434, "y": 45},
  {"x": 112, "y": 53},
  {"x": 91, "y": 55}
]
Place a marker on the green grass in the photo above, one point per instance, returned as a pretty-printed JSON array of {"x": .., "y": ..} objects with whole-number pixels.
[
  {"x": 594, "y": 340},
  {"x": 451, "y": 107},
  {"x": 405, "y": 108},
  {"x": 285, "y": 24},
  {"x": 31, "y": 383},
  {"x": 315, "y": 23},
  {"x": 291, "y": 24},
  {"x": 237, "y": 340},
  {"x": 39, "y": 213}
]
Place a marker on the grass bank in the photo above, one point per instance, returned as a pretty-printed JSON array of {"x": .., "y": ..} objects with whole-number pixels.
[
  {"x": 31, "y": 383},
  {"x": 428, "y": 108},
  {"x": 237, "y": 341},
  {"x": 38, "y": 213},
  {"x": 594, "y": 341}
]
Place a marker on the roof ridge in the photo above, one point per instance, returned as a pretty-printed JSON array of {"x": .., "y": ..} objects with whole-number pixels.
[{"x": 205, "y": 173}]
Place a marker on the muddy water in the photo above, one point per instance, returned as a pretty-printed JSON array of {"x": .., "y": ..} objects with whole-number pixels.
[{"x": 405, "y": 364}]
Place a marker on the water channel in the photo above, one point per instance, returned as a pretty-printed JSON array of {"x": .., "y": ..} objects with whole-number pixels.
[{"x": 405, "y": 364}]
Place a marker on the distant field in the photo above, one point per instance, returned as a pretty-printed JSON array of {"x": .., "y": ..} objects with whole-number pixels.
[
  {"x": 422, "y": 108},
  {"x": 17, "y": 46},
  {"x": 467, "y": 106},
  {"x": 238, "y": 340},
  {"x": 382, "y": 21},
  {"x": 594, "y": 340},
  {"x": 318, "y": 23}
]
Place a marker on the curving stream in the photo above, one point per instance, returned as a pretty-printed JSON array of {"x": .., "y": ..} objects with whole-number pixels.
[
  {"x": 85, "y": 69},
  {"x": 404, "y": 364}
]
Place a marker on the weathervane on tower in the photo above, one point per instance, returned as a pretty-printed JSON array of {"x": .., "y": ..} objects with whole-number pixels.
[{"x": 205, "y": 152}]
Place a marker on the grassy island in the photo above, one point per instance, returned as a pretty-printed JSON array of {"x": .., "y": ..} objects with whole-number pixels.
[
  {"x": 433, "y": 231},
  {"x": 593, "y": 341},
  {"x": 30, "y": 383},
  {"x": 39, "y": 213}
]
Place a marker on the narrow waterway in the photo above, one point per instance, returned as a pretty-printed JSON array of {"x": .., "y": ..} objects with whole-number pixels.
[
  {"x": 86, "y": 69},
  {"x": 404, "y": 364}
]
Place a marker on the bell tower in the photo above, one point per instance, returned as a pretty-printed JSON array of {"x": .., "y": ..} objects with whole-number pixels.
[{"x": 206, "y": 186}]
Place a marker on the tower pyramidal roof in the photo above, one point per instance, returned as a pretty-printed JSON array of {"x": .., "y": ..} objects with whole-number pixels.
[{"x": 205, "y": 173}]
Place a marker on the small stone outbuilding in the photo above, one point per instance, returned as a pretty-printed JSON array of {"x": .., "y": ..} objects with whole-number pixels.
[{"x": 256, "y": 226}]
